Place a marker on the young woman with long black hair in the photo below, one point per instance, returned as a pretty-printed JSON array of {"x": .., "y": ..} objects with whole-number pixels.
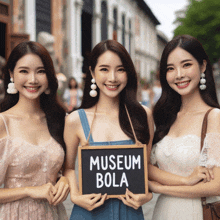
[
  {"x": 31, "y": 138},
  {"x": 113, "y": 71},
  {"x": 185, "y": 174}
]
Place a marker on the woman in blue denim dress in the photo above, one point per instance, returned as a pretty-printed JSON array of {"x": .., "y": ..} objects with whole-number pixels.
[{"x": 114, "y": 85}]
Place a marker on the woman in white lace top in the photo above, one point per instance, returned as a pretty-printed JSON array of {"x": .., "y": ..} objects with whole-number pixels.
[{"x": 185, "y": 174}]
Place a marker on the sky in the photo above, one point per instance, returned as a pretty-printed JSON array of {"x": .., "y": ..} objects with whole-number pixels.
[{"x": 164, "y": 11}]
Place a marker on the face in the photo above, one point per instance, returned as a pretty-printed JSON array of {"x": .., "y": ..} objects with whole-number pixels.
[
  {"x": 110, "y": 75},
  {"x": 183, "y": 72},
  {"x": 29, "y": 77},
  {"x": 73, "y": 83}
]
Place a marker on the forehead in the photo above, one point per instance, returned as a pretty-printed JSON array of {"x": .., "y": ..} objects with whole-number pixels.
[
  {"x": 178, "y": 55},
  {"x": 109, "y": 58},
  {"x": 29, "y": 60}
]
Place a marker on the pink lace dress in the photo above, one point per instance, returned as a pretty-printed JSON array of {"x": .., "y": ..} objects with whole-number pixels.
[{"x": 23, "y": 164}]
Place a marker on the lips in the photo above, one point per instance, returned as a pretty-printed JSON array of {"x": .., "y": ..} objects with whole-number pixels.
[
  {"x": 111, "y": 87},
  {"x": 32, "y": 89},
  {"x": 182, "y": 84}
]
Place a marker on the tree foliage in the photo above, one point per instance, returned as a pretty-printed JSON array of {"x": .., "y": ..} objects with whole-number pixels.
[{"x": 203, "y": 22}]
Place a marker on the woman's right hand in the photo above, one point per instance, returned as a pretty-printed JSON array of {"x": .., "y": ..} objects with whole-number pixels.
[
  {"x": 89, "y": 201},
  {"x": 199, "y": 174},
  {"x": 46, "y": 191}
]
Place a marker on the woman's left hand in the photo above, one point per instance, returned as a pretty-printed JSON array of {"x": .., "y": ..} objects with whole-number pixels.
[
  {"x": 62, "y": 191},
  {"x": 135, "y": 200}
]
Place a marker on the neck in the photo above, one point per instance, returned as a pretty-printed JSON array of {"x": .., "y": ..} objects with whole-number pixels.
[
  {"x": 108, "y": 105},
  {"x": 29, "y": 108},
  {"x": 193, "y": 103}
]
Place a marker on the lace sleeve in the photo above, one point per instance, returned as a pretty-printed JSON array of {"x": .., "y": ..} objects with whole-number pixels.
[
  {"x": 210, "y": 155},
  {"x": 4, "y": 159},
  {"x": 153, "y": 159}
]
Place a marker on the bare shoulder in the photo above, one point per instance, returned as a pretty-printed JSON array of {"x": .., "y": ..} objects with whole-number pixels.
[
  {"x": 3, "y": 131},
  {"x": 72, "y": 119},
  {"x": 214, "y": 120}
]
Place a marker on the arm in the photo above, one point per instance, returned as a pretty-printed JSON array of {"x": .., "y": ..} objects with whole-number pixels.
[
  {"x": 71, "y": 138},
  {"x": 211, "y": 145},
  {"x": 137, "y": 200},
  {"x": 201, "y": 189}
]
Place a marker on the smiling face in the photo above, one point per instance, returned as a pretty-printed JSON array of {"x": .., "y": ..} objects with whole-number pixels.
[
  {"x": 29, "y": 76},
  {"x": 183, "y": 72},
  {"x": 110, "y": 75}
]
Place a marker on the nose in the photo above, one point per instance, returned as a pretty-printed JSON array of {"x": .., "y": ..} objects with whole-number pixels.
[
  {"x": 33, "y": 78},
  {"x": 112, "y": 76},
  {"x": 179, "y": 74}
]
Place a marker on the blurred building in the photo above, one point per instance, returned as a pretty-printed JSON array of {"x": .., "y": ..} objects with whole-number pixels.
[{"x": 71, "y": 28}]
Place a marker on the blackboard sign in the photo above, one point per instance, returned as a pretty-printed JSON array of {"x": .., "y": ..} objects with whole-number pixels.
[{"x": 112, "y": 169}]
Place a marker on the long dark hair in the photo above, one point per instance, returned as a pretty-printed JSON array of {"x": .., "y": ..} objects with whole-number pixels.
[
  {"x": 167, "y": 107},
  {"x": 128, "y": 95},
  {"x": 55, "y": 113}
]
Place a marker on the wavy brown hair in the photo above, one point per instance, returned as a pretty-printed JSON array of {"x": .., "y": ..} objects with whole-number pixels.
[
  {"x": 54, "y": 111},
  {"x": 167, "y": 107},
  {"x": 128, "y": 95}
]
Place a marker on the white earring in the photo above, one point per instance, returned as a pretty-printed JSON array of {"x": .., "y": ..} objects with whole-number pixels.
[
  {"x": 93, "y": 92},
  {"x": 11, "y": 87},
  {"x": 202, "y": 82}
]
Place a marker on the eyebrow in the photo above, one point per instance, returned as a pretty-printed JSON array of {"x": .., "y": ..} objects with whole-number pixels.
[
  {"x": 24, "y": 67},
  {"x": 183, "y": 61},
  {"x": 104, "y": 65}
]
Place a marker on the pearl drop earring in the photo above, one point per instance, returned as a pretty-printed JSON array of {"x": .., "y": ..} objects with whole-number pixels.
[
  {"x": 202, "y": 82},
  {"x": 93, "y": 92}
]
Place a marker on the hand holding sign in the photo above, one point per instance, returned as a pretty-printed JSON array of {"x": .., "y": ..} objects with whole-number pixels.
[
  {"x": 89, "y": 201},
  {"x": 135, "y": 200}
]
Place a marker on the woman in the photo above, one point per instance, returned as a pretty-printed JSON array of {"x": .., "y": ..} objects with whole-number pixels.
[
  {"x": 31, "y": 138},
  {"x": 188, "y": 92},
  {"x": 113, "y": 71},
  {"x": 72, "y": 95}
]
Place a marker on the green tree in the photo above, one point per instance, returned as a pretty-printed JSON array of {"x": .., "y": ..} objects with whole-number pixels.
[{"x": 202, "y": 21}]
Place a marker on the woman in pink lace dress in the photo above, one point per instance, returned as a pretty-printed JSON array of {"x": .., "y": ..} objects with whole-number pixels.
[{"x": 31, "y": 141}]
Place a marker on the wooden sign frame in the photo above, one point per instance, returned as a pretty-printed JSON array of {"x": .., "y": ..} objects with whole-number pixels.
[{"x": 82, "y": 149}]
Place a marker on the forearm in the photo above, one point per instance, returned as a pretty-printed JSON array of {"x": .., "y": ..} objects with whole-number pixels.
[
  {"x": 164, "y": 177},
  {"x": 201, "y": 189},
  {"x": 11, "y": 195},
  {"x": 73, "y": 183}
]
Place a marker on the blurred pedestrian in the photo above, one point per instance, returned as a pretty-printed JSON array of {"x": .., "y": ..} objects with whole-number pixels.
[{"x": 147, "y": 95}]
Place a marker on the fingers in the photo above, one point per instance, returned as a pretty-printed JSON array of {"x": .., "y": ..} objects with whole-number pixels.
[
  {"x": 101, "y": 202},
  {"x": 61, "y": 194}
]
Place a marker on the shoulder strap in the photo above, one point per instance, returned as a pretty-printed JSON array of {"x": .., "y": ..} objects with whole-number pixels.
[
  {"x": 85, "y": 124},
  {"x": 203, "y": 134},
  {"x": 135, "y": 137},
  {"x": 6, "y": 127},
  {"x": 204, "y": 127}
]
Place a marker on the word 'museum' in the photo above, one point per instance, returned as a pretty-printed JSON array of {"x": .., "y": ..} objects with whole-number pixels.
[{"x": 113, "y": 163}]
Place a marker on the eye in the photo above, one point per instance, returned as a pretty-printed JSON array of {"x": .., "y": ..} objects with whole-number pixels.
[
  {"x": 42, "y": 71},
  {"x": 104, "y": 69},
  {"x": 187, "y": 64},
  {"x": 121, "y": 69},
  {"x": 170, "y": 68},
  {"x": 23, "y": 71}
]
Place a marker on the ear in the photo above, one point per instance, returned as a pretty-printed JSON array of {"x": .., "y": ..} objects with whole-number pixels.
[
  {"x": 203, "y": 68},
  {"x": 93, "y": 75}
]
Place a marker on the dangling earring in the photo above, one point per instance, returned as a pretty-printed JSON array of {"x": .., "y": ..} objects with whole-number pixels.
[
  {"x": 11, "y": 87},
  {"x": 93, "y": 92},
  {"x": 202, "y": 82},
  {"x": 47, "y": 91}
]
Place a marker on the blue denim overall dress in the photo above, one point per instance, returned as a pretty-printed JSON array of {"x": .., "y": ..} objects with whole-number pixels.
[{"x": 112, "y": 209}]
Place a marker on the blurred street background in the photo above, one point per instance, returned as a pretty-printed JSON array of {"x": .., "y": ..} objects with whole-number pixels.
[{"x": 69, "y": 29}]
